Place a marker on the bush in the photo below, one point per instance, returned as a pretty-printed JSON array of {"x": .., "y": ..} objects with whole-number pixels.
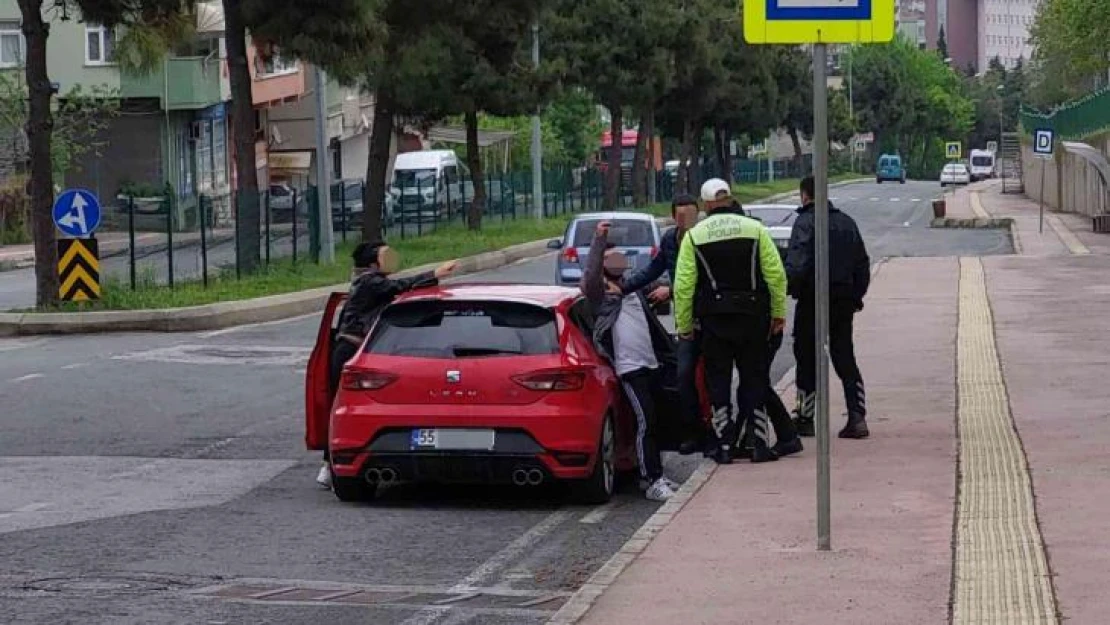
[{"x": 15, "y": 212}]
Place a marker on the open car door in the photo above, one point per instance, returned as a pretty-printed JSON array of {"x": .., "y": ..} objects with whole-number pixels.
[{"x": 317, "y": 394}]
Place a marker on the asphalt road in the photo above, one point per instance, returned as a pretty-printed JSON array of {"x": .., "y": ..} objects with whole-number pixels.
[{"x": 162, "y": 478}]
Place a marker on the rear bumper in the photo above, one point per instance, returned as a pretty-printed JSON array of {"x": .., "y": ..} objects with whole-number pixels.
[{"x": 562, "y": 446}]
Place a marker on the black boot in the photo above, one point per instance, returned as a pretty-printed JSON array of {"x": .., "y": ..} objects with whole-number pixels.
[
  {"x": 690, "y": 446},
  {"x": 856, "y": 428},
  {"x": 763, "y": 453},
  {"x": 788, "y": 448},
  {"x": 743, "y": 449},
  {"x": 721, "y": 455},
  {"x": 805, "y": 426}
]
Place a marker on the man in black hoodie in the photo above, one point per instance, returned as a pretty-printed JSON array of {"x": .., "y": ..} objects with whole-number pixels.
[{"x": 849, "y": 278}]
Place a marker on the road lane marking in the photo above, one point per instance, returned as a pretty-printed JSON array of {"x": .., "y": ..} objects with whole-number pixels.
[
  {"x": 874, "y": 199},
  {"x": 24, "y": 378},
  {"x": 916, "y": 199},
  {"x": 76, "y": 365},
  {"x": 262, "y": 324},
  {"x": 492, "y": 566},
  {"x": 597, "y": 515},
  {"x": 895, "y": 199},
  {"x": 31, "y": 507}
]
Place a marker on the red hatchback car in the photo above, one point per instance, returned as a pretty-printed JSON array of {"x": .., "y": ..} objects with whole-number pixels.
[{"x": 472, "y": 383}]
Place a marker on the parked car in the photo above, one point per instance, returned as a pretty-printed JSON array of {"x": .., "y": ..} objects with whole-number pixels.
[
  {"x": 635, "y": 234},
  {"x": 890, "y": 168},
  {"x": 955, "y": 173},
  {"x": 281, "y": 199},
  {"x": 347, "y": 206},
  {"x": 779, "y": 220},
  {"x": 473, "y": 383}
]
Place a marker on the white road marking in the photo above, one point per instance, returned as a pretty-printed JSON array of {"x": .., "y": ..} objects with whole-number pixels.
[
  {"x": 895, "y": 199},
  {"x": 492, "y": 566},
  {"x": 874, "y": 199},
  {"x": 597, "y": 515},
  {"x": 916, "y": 199},
  {"x": 24, "y": 378},
  {"x": 905, "y": 224},
  {"x": 31, "y": 507},
  {"x": 76, "y": 365},
  {"x": 10, "y": 345},
  {"x": 221, "y": 355},
  {"x": 277, "y": 322}
]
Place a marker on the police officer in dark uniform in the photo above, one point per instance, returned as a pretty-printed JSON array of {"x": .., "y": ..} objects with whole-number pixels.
[
  {"x": 849, "y": 278},
  {"x": 730, "y": 277}
]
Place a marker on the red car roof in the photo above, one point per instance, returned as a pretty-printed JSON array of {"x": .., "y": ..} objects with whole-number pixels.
[{"x": 539, "y": 294}]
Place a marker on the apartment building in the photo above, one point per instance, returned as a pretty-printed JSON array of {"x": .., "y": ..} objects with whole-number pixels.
[{"x": 977, "y": 31}]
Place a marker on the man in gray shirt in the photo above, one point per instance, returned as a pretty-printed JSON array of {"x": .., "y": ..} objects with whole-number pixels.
[{"x": 630, "y": 336}]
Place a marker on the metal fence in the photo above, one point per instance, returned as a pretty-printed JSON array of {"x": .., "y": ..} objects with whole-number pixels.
[{"x": 168, "y": 240}]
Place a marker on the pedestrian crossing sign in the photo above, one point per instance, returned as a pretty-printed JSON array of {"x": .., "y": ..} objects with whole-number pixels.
[{"x": 953, "y": 150}]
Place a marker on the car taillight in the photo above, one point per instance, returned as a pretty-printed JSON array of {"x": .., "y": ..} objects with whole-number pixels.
[
  {"x": 570, "y": 255},
  {"x": 551, "y": 380},
  {"x": 366, "y": 379}
]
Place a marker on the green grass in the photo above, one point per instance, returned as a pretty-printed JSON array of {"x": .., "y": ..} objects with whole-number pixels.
[{"x": 283, "y": 276}]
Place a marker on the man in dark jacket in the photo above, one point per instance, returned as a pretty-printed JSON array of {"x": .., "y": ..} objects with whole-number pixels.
[
  {"x": 684, "y": 210},
  {"x": 640, "y": 349},
  {"x": 849, "y": 278},
  {"x": 371, "y": 290}
]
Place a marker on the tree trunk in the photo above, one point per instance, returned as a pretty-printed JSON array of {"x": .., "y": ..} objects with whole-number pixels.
[
  {"x": 474, "y": 162},
  {"x": 40, "y": 125},
  {"x": 652, "y": 173},
  {"x": 684, "y": 181},
  {"x": 242, "y": 127},
  {"x": 799, "y": 158},
  {"x": 696, "y": 177},
  {"x": 719, "y": 148},
  {"x": 639, "y": 166},
  {"x": 377, "y": 165},
  {"x": 613, "y": 169},
  {"x": 726, "y": 154}
]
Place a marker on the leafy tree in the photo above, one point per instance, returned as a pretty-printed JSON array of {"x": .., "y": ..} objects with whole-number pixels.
[
  {"x": 618, "y": 50},
  {"x": 1072, "y": 42},
  {"x": 794, "y": 73},
  {"x": 842, "y": 128},
  {"x": 154, "y": 15}
]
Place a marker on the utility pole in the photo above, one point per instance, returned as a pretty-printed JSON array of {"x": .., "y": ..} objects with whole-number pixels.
[
  {"x": 821, "y": 245},
  {"x": 323, "y": 187},
  {"x": 537, "y": 140}
]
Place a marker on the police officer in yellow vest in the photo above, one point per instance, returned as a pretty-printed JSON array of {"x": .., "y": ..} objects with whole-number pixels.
[{"x": 730, "y": 282}]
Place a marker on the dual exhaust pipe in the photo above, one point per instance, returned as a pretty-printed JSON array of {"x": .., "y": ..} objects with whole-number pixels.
[
  {"x": 386, "y": 476},
  {"x": 383, "y": 477},
  {"x": 527, "y": 477}
]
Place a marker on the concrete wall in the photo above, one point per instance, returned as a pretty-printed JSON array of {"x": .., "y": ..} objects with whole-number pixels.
[
  {"x": 1071, "y": 185},
  {"x": 131, "y": 151}
]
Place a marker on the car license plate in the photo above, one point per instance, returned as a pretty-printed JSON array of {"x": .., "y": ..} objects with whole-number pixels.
[{"x": 453, "y": 439}]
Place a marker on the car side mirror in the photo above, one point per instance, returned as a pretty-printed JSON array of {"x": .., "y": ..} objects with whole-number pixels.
[{"x": 555, "y": 244}]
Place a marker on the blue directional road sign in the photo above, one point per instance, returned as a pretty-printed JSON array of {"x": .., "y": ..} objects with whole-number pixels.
[
  {"x": 1043, "y": 142},
  {"x": 818, "y": 21},
  {"x": 77, "y": 213}
]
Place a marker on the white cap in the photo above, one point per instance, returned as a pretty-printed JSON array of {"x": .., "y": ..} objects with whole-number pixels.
[{"x": 715, "y": 189}]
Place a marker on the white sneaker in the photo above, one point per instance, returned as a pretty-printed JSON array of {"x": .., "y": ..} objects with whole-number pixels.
[
  {"x": 673, "y": 484},
  {"x": 323, "y": 478},
  {"x": 660, "y": 490}
]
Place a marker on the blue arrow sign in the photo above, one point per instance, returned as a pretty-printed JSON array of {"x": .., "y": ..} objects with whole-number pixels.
[{"x": 77, "y": 212}]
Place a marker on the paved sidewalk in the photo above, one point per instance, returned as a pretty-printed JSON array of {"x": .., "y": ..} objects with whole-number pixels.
[{"x": 982, "y": 496}]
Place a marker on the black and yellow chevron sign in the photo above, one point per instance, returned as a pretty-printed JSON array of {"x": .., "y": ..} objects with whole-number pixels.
[{"x": 78, "y": 270}]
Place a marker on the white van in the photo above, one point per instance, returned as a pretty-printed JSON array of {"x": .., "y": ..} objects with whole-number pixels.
[
  {"x": 982, "y": 164},
  {"x": 428, "y": 184}
]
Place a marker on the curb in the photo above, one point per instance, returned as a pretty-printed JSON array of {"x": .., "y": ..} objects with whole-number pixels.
[
  {"x": 227, "y": 314},
  {"x": 973, "y": 223},
  {"x": 582, "y": 600}
]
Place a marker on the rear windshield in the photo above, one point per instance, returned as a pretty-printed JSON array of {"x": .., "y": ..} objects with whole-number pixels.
[
  {"x": 447, "y": 330},
  {"x": 890, "y": 161},
  {"x": 622, "y": 233},
  {"x": 982, "y": 161},
  {"x": 772, "y": 216}
]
